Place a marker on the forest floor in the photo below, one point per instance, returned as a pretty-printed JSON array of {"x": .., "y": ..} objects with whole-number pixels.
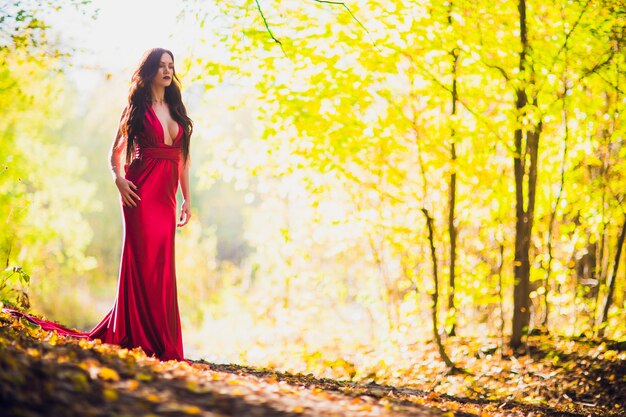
[{"x": 42, "y": 374}]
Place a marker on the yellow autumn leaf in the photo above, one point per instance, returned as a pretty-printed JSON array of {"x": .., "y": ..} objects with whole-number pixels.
[
  {"x": 80, "y": 382},
  {"x": 108, "y": 374},
  {"x": 132, "y": 385},
  {"x": 191, "y": 409},
  {"x": 141, "y": 376},
  {"x": 110, "y": 394},
  {"x": 33, "y": 352},
  {"x": 153, "y": 398}
]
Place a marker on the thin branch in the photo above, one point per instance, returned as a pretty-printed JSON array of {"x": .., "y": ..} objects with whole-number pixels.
[
  {"x": 565, "y": 42},
  {"x": 268, "y": 28},
  {"x": 592, "y": 71},
  {"x": 499, "y": 68},
  {"x": 433, "y": 78},
  {"x": 481, "y": 43},
  {"x": 599, "y": 75},
  {"x": 353, "y": 16},
  {"x": 369, "y": 35}
]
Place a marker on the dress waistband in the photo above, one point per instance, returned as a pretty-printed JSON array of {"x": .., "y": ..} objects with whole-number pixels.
[{"x": 172, "y": 153}]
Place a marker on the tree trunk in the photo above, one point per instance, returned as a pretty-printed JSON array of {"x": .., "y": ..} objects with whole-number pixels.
[
  {"x": 452, "y": 198},
  {"x": 611, "y": 282},
  {"x": 501, "y": 298},
  {"x": 442, "y": 352},
  {"x": 523, "y": 174}
]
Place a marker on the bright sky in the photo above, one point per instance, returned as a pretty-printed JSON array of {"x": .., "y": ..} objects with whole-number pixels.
[{"x": 121, "y": 33}]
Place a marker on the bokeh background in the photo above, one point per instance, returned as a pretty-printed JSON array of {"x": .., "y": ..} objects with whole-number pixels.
[{"x": 325, "y": 136}]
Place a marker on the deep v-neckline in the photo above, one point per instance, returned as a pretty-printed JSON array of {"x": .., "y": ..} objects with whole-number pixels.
[{"x": 163, "y": 128}]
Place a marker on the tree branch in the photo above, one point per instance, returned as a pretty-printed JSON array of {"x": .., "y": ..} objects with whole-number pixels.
[
  {"x": 268, "y": 28},
  {"x": 353, "y": 16},
  {"x": 345, "y": 6},
  {"x": 564, "y": 45}
]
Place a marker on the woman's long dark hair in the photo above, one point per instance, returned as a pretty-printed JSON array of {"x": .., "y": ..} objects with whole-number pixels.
[{"x": 140, "y": 95}]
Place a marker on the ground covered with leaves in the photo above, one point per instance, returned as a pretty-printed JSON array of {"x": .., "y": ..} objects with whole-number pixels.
[{"x": 45, "y": 374}]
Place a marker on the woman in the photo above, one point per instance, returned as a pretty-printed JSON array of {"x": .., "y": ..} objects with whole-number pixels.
[
  {"x": 155, "y": 130},
  {"x": 154, "y": 134}
]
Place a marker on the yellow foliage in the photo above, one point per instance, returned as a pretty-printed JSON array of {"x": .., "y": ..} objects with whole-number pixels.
[
  {"x": 108, "y": 374},
  {"x": 110, "y": 394}
]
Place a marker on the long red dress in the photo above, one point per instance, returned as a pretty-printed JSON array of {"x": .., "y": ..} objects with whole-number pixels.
[{"x": 145, "y": 312}]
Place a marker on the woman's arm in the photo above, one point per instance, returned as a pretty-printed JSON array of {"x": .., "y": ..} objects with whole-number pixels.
[
  {"x": 183, "y": 175},
  {"x": 117, "y": 157},
  {"x": 117, "y": 154}
]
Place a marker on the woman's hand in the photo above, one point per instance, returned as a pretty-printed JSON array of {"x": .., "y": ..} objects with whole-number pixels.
[
  {"x": 127, "y": 191},
  {"x": 185, "y": 213}
]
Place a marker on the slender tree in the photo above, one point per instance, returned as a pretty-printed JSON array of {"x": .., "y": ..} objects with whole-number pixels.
[
  {"x": 452, "y": 231},
  {"x": 525, "y": 164}
]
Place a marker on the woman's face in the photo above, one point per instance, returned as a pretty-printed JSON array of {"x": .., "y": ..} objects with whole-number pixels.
[{"x": 164, "y": 75}]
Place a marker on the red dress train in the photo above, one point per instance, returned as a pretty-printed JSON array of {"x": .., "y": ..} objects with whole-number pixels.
[{"x": 145, "y": 312}]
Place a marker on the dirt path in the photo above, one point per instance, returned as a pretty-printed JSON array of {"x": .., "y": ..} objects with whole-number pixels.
[{"x": 42, "y": 374}]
